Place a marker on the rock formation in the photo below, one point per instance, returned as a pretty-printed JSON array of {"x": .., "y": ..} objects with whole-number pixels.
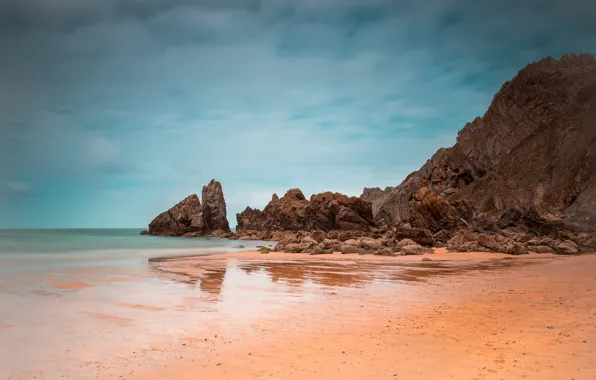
[
  {"x": 534, "y": 147},
  {"x": 186, "y": 217},
  {"x": 189, "y": 218},
  {"x": 214, "y": 207},
  {"x": 293, "y": 212}
]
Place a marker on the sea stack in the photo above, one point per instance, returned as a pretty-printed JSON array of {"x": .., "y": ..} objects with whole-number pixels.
[
  {"x": 190, "y": 218},
  {"x": 214, "y": 207}
]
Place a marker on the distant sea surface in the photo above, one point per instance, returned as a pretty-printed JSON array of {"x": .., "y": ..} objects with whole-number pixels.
[{"x": 46, "y": 248}]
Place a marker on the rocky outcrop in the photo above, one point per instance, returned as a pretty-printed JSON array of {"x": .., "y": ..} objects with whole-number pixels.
[
  {"x": 372, "y": 194},
  {"x": 535, "y": 146},
  {"x": 214, "y": 207},
  {"x": 190, "y": 218},
  {"x": 186, "y": 217},
  {"x": 293, "y": 212}
]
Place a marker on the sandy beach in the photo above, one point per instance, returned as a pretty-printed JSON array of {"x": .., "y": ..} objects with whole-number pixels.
[
  {"x": 487, "y": 316},
  {"x": 297, "y": 316}
]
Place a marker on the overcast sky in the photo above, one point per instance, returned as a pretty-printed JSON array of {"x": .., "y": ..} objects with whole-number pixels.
[{"x": 111, "y": 111}]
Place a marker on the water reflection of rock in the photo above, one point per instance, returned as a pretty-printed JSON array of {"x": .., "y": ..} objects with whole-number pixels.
[
  {"x": 322, "y": 273},
  {"x": 361, "y": 273},
  {"x": 208, "y": 276}
]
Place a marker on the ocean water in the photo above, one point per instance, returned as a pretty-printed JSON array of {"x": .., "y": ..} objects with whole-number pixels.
[{"x": 47, "y": 248}]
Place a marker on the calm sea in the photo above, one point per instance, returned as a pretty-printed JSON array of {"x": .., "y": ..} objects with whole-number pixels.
[{"x": 38, "y": 249}]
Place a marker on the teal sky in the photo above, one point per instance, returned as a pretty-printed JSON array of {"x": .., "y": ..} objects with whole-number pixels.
[{"x": 111, "y": 111}]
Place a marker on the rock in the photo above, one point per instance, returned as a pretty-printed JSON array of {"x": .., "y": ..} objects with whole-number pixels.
[
  {"x": 320, "y": 251},
  {"x": 543, "y": 249},
  {"x": 144, "y": 232},
  {"x": 431, "y": 212},
  {"x": 415, "y": 250},
  {"x": 489, "y": 243},
  {"x": 239, "y": 246},
  {"x": 185, "y": 217},
  {"x": 190, "y": 218},
  {"x": 214, "y": 207},
  {"x": 372, "y": 194},
  {"x": 384, "y": 252},
  {"x": 345, "y": 248},
  {"x": 309, "y": 241},
  {"x": 323, "y": 212},
  {"x": 404, "y": 242},
  {"x": 419, "y": 235},
  {"x": 534, "y": 146},
  {"x": 426, "y": 259},
  {"x": 568, "y": 246},
  {"x": 264, "y": 250},
  {"x": 515, "y": 249},
  {"x": 369, "y": 243},
  {"x": 330, "y": 244},
  {"x": 294, "y": 247}
]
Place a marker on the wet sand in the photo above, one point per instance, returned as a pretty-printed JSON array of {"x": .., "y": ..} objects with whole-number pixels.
[
  {"x": 294, "y": 316},
  {"x": 465, "y": 316}
]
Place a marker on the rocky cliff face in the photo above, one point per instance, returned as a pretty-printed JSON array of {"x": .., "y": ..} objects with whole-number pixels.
[
  {"x": 534, "y": 147},
  {"x": 190, "y": 218},
  {"x": 214, "y": 207},
  {"x": 293, "y": 212}
]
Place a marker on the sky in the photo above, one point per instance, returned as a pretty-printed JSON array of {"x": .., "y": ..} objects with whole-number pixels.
[{"x": 111, "y": 111}]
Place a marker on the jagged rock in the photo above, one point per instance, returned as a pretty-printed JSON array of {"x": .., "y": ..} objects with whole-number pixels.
[
  {"x": 214, "y": 207},
  {"x": 543, "y": 249},
  {"x": 185, "y": 217},
  {"x": 190, "y": 218},
  {"x": 534, "y": 146},
  {"x": 371, "y": 194},
  {"x": 324, "y": 212},
  {"x": 419, "y": 235},
  {"x": 489, "y": 243},
  {"x": 349, "y": 249},
  {"x": 429, "y": 211}
]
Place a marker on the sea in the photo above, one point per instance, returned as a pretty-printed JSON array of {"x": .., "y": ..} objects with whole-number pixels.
[{"x": 50, "y": 248}]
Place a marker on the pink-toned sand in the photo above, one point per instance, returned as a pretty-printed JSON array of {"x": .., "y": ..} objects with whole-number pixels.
[{"x": 529, "y": 317}]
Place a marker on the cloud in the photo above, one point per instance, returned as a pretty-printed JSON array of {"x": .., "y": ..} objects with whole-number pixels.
[
  {"x": 116, "y": 109},
  {"x": 16, "y": 187}
]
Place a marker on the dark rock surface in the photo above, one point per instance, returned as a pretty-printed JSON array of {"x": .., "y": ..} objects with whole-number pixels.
[
  {"x": 535, "y": 146},
  {"x": 184, "y": 218},
  {"x": 214, "y": 207},
  {"x": 293, "y": 212}
]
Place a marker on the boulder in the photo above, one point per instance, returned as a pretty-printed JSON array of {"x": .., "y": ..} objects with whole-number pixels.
[
  {"x": 402, "y": 243},
  {"x": 415, "y": 250},
  {"x": 345, "y": 248},
  {"x": 320, "y": 251},
  {"x": 568, "y": 246},
  {"x": 421, "y": 236},
  {"x": 515, "y": 249},
  {"x": 543, "y": 249},
  {"x": 384, "y": 252}
]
